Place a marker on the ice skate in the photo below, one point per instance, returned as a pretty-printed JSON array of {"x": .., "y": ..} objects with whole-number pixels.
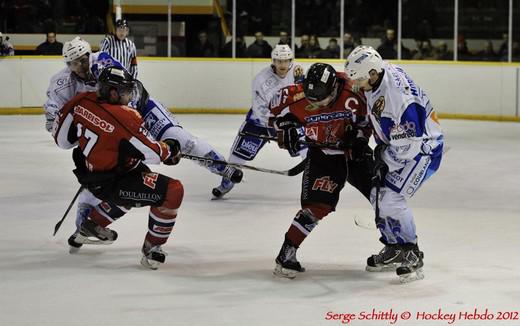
[
  {"x": 386, "y": 260},
  {"x": 225, "y": 186},
  {"x": 233, "y": 174},
  {"x": 286, "y": 264},
  {"x": 411, "y": 267},
  {"x": 82, "y": 214},
  {"x": 153, "y": 256},
  {"x": 91, "y": 233}
]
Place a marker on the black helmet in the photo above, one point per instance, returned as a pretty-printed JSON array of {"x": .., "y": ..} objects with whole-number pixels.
[
  {"x": 319, "y": 82},
  {"x": 121, "y": 23},
  {"x": 117, "y": 78}
]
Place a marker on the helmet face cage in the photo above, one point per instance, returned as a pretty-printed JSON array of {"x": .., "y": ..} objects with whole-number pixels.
[
  {"x": 75, "y": 49},
  {"x": 319, "y": 82},
  {"x": 115, "y": 78},
  {"x": 361, "y": 61}
]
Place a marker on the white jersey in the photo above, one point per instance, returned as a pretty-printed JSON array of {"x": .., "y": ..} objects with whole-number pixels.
[
  {"x": 62, "y": 87},
  {"x": 65, "y": 84},
  {"x": 403, "y": 118},
  {"x": 265, "y": 85}
]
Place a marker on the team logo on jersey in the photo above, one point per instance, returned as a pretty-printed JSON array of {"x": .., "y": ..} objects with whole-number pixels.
[
  {"x": 378, "y": 107},
  {"x": 403, "y": 131},
  {"x": 149, "y": 179},
  {"x": 324, "y": 184}
]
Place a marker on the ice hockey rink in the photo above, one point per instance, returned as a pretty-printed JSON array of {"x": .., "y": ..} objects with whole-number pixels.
[{"x": 221, "y": 256}]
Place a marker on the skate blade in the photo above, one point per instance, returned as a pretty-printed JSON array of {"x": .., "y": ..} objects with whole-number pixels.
[
  {"x": 149, "y": 263},
  {"x": 411, "y": 277},
  {"x": 86, "y": 240},
  {"x": 284, "y": 272},
  {"x": 381, "y": 269}
]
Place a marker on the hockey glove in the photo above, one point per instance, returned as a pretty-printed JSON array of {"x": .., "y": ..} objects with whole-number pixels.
[
  {"x": 380, "y": 167},
  {"x": 287, "y": 134},
  {"x": 175, "y": 151},
  {"x": 357, "y": 145},
  {"x": 49, "y": 121}
]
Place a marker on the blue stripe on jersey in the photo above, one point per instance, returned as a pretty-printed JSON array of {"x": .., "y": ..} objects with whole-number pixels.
[{"x": 415, "y": 114}]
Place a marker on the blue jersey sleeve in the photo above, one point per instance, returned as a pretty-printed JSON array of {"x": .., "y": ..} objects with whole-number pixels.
[{"x": 103, "y": 60}]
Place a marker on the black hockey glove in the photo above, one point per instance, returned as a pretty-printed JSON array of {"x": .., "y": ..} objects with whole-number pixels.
[
  {"x": 175, "y": 151},
  {"x": 287, "y": 134},
  {"x": 380, "y": 167},
  {"x": 357, "y": 145}
]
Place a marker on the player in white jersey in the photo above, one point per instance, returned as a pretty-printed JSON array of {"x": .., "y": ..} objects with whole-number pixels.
[
  {"x": 80, "y": 75},
  {"x": 282, "y": 72},
  {"x": 409, "y": 151}
]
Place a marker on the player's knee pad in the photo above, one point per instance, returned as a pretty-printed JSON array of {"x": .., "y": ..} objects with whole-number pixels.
[
  {"x": 318, "y": 210},
  {"x": 173, "y": 198}
]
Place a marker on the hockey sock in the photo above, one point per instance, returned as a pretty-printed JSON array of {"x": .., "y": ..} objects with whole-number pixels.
[
  {"x": 106, "y": 213},
  {"x": 305, "y": 221},
  {"x": 161, "y": 220}
]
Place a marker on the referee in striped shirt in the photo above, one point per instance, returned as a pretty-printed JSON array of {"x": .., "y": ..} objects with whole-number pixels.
[{"x": 121, "y": 48}]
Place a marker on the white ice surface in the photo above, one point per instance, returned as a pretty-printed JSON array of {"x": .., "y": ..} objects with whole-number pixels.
[{"x": 221, "y": 255}]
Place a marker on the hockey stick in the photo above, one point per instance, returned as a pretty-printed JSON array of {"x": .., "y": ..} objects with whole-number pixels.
[
  {"x": 209, "y": 161},
  {"x": 302, "y": 142},
  {"x": 58, "y": 225}
]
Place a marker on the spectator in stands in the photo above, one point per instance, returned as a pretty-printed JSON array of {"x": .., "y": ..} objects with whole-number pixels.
[
  {"x": 503, "y": 50},
  {"x": 314, "y": 47},
  {"x": 51, "y": 46},
  {"x": 203, "y": 48},
  {"x": 241, "y": 50},
  {"x": 488, "y": 53},
  {"x": 388, "y": 47},
  {"x": 303, "y": 50},
  {"x": 6, "y": 48},
  {"x": 462, "y": 48},
  {"x": 259, "y": 48},
  {"x": 425, "y": 51},
  {"x": 284, "y": 38},
  {"x": 332, "y": 50},
  {"x": 348, "y": 44},
  {"x": 441, "y": 52}
]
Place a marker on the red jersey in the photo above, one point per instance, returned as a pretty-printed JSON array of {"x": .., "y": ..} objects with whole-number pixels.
[
  {"x": 322, "y": 124},
  {"x": 98, "y": 129}
]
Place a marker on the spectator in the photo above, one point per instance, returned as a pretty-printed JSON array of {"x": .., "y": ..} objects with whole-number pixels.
[
  {"x": 6, "y": 48},
  {"x": 284, "y": 38},
  {"x": 203, "y": 48},
  {"x": 503, "y": 50},
  {"x": 51, "y": 46},
  {"x": 425, "y": 51},
  {"x": 241, "y": 49},
  {"x": 488, "y": 53},
  {"x": 388, "y": 47},
  {"x": 121, "y": 48},
  {"x": 441, "y": 52},
  {"x": 314, "y": 47},
  {"x": 259, "y": 48},
  {"x": 332, "y": 50},
  {"x": 304, "y": 49},
  {"x": 348, "y": 44},
  {"x": 462, "y": 48}
]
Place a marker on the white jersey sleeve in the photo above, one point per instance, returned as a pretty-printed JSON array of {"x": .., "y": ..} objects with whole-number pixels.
[
  {"x": 265, "y": 84},
  {"x": 62, "y": 87},
  {"x": 403, "y": 118}
]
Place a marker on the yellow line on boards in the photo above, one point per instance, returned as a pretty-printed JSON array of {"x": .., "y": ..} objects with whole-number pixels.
[{"x": 458, "y": 116}]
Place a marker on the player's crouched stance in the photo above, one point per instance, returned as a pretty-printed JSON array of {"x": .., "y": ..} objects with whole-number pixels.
[
  {"x": 333, "y": 115},
  {"x": 111, "y": 147},
  {"x": 409, "y": 152}
]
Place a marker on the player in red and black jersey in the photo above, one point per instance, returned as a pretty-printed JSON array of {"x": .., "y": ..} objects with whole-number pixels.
[
  {"x": 334, "y": 118},
  {"x": 111, "y": 148}
]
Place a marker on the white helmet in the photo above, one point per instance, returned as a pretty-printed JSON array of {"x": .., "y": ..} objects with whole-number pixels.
[
  {"x": 361, "y": 61},
  {"x": 75, "y": 49},
  {"x": 282, "y": 52}
]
